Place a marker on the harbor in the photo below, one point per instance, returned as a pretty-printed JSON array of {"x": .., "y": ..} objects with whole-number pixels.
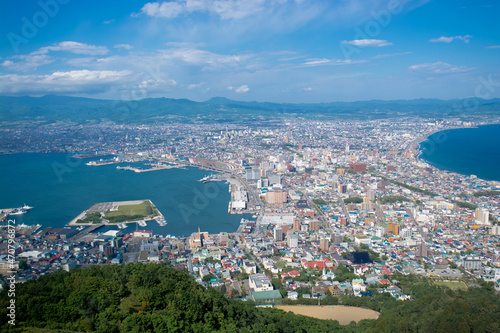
[
  {"x": 83, "y": 155},
  {"x": 155, "y": 167},
  {"x": 100, "y": 162},
  {"x": 11, "y": 212},
  {"x": 172, "y": 193}
]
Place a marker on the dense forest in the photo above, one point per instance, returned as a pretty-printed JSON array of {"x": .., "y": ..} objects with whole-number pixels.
[
  {"x": 155, "y": 298},
  {"x": 434, "y": 308},
  {"x": 141, "y": 298}
]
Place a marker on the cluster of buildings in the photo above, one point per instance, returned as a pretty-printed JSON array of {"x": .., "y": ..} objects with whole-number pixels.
[{"x": 339, "y": 207}]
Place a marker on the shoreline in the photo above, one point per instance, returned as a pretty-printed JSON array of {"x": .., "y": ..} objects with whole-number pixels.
[
  {"x": 425, "y": 138},
  {"x": 232, "y": 220}
]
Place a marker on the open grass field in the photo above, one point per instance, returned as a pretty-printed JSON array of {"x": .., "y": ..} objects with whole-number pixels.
[
  {"x": 143, "y": 209},
  {"x": 281, "y": 264},
  {"x": 129, "y": 213},
  {"x": 118, "y": 212},
  {"x": 454, "y": 285}
]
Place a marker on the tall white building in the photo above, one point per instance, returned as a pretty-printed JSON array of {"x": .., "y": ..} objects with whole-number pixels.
[
  {"x": 278, "y": 234},
  {"x": 405, "y": 233},
  {"x": 482, "y": 216},
  {"x": 495, "y": 230},
  {"x": 293, "y": 241}
]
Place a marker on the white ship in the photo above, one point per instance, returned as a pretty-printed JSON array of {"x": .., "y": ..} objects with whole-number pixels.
[
  {"x": 142, "y": 223},
  {"x": 204, "y": 179},
  {"x": 161, "y": 221},
  {"x": 208, "y": 178},
  {"x": 26, "y": 207},
  {"x": 18, "y": 211}
]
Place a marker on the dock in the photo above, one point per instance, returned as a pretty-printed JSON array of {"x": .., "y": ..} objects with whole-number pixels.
[
  {"x": 88, "y": 230},
  {"x": 155, "y": 168}
]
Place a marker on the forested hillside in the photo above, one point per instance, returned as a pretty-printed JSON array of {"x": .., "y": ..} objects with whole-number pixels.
[
  {"x": 155, "y": 298},
  {"x": 53, "y": 109},
  {"x": 141, "y": 298}
]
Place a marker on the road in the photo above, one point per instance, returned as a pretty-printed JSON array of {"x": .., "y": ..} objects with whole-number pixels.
[
  {"x": 344, "y": 208},
  {"x": 233, "y": 170},
  {"x": 380, "y": 213},
  {"x": 325, "y": 223},
  {"x": 420, "y": 230}
]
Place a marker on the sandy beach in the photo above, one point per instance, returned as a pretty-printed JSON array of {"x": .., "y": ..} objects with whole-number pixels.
[{"x": 344, "y": 314}]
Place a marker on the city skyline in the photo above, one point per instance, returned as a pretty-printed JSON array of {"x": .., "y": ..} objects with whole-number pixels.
[{"x": 276, "y": 51}]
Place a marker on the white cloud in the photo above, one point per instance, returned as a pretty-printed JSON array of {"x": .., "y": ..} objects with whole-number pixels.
[
  {"x": 61, "y": 82},
  {"x": 109, "y": 21},
  {"x": 155, "y": 84},
  {"x": 123, "y": 46},
  {"x": 493, "y": 47},
  {"x": 332, "y": 62},
  {"x": 207, "y": 60},
  {"x": 86, "y": 75},
  {"x": 185, "y": 44},
  {"x": 27, "y": 62},
  {"x": 291, "y": 58},
  {"x": 74, "y": 47},
  {"x": 225, "y": 21},
  {"x": 308, "y": 89},
  {"x": 153, "y": 71},
  {"x": 367, "y": 42},
  {"x": 165, "y": 9},
  {"x": 41, "y": 56},
  {"x": 444, "y": 39},
  {"x": 316, "y": 62},
  {"x": 440, "y": 68},
  {"x": 389, "y": 55},
  {"x": 241, "y": 89},
  {"x": 226, "y": 9},
  {"x": 196, "y": 85}
]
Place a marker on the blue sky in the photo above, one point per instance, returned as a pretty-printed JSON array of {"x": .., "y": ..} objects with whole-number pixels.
[{"x": 255, "y": 50}]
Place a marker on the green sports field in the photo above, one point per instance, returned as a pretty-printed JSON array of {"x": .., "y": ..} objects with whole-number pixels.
[{"x": 454, "y": 285}]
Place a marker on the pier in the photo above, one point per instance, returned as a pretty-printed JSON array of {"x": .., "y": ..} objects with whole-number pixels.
[
  {"x": 88, "y": 230},
  {"x": 155, "y": 168}
]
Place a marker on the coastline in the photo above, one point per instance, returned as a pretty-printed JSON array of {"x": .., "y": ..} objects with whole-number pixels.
[
  {"x": 176, "y": 193},
  {"x": 426, "y": 137}
]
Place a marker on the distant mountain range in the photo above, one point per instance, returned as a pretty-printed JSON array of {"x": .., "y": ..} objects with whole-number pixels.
[{"x": 52, "y": 109}]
